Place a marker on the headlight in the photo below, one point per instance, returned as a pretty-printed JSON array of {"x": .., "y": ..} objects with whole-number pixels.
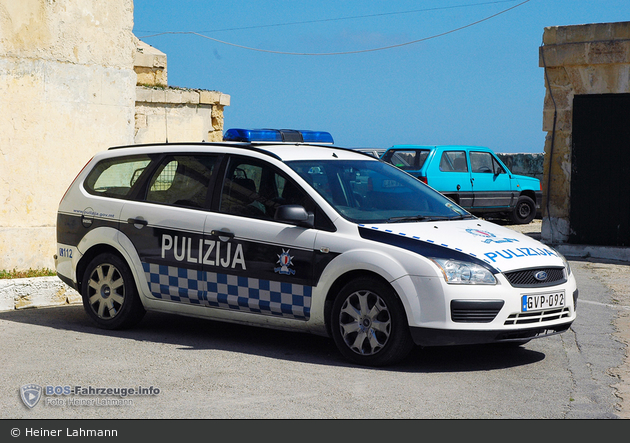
[
  {"x": 564, "y": 260},
  {"x": 464, "y": 273},
  {"x": 566, "y": 263}
]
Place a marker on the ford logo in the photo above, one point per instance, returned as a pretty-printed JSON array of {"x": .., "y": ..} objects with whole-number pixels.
[{"x": 540, "y": 276}]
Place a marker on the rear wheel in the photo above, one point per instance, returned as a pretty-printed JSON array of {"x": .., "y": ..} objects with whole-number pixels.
[
  {"x": 524, "y": 211},
  {"x": 369, "y": 325},
  {"x": 109, "y": 293}
]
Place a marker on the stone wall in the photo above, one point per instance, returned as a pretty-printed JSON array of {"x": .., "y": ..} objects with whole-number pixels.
[
  {"x": 173, "y": 114},
  {"x": 527, "y": 164},
  {"x": 69, "y": 71},
  {"x": 66, "y": 79},
  {"x": 584, "y": 59}
]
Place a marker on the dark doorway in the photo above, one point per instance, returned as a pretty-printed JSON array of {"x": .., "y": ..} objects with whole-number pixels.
[{"x": 600, "y": 170}]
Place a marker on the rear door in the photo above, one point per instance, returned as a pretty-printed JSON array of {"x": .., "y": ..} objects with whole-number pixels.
[
  {"x": 491, "y": 184},
  {"x": 166, "y": 227}
]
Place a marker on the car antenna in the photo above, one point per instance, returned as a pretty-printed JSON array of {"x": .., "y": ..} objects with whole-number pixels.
[{"x": 166, "y": 122}]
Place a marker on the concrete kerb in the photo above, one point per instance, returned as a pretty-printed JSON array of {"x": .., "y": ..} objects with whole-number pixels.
[
  {"x": 22, "y": 293},
  {"x": 599, "y": 252}
]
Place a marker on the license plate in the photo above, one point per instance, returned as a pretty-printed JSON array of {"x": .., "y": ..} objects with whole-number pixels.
[{"x": 539, "y": 302}]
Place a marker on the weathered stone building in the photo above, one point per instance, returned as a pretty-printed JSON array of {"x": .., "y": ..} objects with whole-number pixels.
[
  {"x": 172, "y": 114},
  {"x": 68, "y": 89},
  {"x": 587, "y": 148}
]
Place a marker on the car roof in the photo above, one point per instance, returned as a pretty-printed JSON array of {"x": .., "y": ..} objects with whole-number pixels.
[
  {"x": 281, "y": 151},
  {"x": 442, "y": 147}
]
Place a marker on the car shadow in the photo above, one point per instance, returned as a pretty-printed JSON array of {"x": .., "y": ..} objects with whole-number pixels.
[{"x": 193, "y": 334}]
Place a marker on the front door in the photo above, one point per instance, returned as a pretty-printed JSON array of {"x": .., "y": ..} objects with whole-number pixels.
[
  {"x": 491, "y": 184},
  {"x": 259, "y": 265},
  {"x": 453, "y": 180}
]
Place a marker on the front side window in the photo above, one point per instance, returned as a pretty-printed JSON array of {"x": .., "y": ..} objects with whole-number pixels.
[
  {"x": 182, "y": 180},
  {"x": 485, "y": 162},
  {"x": 371, "y": 191},
  {"x": 256, "y": 189},
  {"x": 115, "y": 177}
]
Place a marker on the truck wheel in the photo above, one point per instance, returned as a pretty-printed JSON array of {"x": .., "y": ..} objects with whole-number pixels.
[
  {"x": 524, "y": 211},
  {"x": 369, "y": 325},
  {"x": 109, "y": 293}
]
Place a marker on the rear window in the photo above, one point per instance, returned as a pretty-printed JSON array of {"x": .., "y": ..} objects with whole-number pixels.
[
  {"x": 115, "y": 177},
  {"x": 407, "y": 159}
]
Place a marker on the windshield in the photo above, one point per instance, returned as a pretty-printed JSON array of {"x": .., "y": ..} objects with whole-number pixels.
[{"x": 369, "y": 191}]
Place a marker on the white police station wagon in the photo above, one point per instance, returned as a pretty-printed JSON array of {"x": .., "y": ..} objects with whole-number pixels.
[{"x": 282, "y": 229}]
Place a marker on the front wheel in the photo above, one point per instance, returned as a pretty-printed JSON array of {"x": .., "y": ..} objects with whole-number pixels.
[
  {"x": 524, "y": 211},
  {"x": 369, "y": 325},
  {"x": 109, "y": 293}
]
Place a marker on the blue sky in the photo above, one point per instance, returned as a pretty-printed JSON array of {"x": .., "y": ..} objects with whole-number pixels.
[{"x": 478, "y": 85}]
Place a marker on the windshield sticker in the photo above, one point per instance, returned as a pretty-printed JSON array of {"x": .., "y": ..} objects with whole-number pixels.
[{"x": 285, "y": 261}]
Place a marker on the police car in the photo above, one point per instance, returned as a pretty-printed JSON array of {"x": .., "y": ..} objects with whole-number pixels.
[{"x": 283, "y": 229}]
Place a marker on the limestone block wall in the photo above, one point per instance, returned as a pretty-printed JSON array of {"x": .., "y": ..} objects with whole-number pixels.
[
  {"x": 583, "y": 59},
  {"x": 175, "y": 114},
  {"x": 150, "y": 65},
  {"x": 67, "y": 90}
]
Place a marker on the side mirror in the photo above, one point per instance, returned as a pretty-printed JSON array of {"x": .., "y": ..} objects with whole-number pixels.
[{"x": 295, "y": 214}]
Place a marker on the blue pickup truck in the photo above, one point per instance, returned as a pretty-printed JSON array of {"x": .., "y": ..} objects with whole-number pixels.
[{"x": 473, "y": 177}]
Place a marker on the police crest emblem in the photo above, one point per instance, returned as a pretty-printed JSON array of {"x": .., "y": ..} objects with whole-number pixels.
[{"x": 285, "y": 260}]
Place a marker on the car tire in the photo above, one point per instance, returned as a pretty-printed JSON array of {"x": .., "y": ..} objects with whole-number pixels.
[
  {"x": 109, "y": 293},
  {"x": 369, "y": 325},
  {"x": 524, "y": 211}
]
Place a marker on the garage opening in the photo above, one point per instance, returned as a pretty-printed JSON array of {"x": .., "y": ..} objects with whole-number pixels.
[{"x": 600, "y": 170}]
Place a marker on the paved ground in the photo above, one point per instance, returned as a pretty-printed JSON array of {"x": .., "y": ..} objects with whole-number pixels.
[
  {"x": 613, "y": 275},
  {"x": 591, "y": 356}
]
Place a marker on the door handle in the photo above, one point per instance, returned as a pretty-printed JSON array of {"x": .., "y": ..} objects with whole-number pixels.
[
  {"x": 137, "y": 221},
  {"x": 218, "y": 233}
]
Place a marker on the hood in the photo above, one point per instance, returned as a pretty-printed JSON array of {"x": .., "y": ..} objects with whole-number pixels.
[
  {"x": 526, "y": 182},
  {"x": 500, "y": 248}
]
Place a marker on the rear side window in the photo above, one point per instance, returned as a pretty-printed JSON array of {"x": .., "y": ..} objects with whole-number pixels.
[
  {"x": 115, "y": 177},
  {"x": 182, "y": 180},
  {"x": 453, "y": 161}
]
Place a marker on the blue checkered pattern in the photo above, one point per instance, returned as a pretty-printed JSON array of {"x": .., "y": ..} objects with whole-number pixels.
[
  {"x": 229, "y": 291},
  {"x": 175, "y": 284}
]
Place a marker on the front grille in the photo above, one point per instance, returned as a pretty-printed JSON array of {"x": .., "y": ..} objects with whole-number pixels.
[
  {"x": 524, "y": 318},
  {"x": 475, "y": 311},
  {"x": 526, "y": 278}
]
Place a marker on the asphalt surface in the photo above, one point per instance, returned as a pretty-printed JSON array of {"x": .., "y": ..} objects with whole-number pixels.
[{"x": 206, "y": 369}]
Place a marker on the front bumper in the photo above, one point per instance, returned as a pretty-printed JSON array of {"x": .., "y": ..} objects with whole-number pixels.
[
  {"x": 448, "y": 337},
  {"x": 457, "y": 315}
]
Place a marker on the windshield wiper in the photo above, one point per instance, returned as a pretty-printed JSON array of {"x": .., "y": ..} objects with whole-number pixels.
[
  {"x": 461, "y": 217},
  {"x": 407, "y": 218},
  {"x": 429, "y": 218}
]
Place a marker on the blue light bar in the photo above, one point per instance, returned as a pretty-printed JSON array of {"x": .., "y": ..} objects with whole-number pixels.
[
  {"x": 277, "y": 136},
  {"x": 317, "y": 137},
  {"x": 248, "y": 135}
]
